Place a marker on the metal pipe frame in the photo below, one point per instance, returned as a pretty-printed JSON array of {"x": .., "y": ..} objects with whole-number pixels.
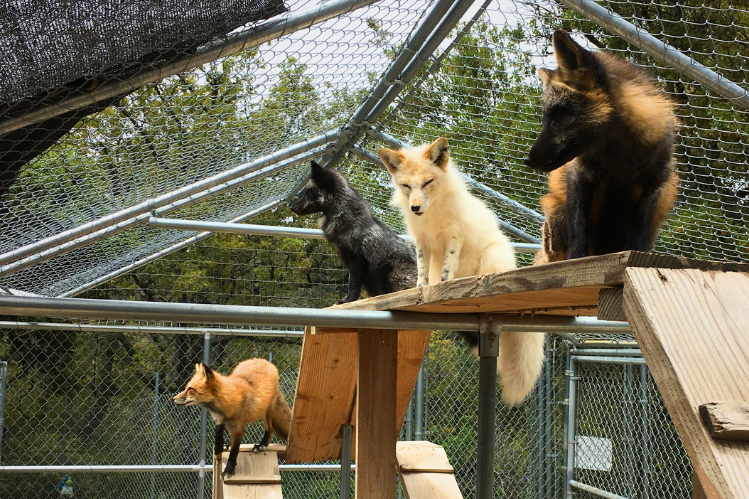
[
  {"x": 200, "y": 492},
  {"x": 274, "y": 231},
  {"x": 166, "y": 251},
  {"x": 148, "y": 468},
  {"x": 570, "y": 433},
  {"x": 287, "y": 316},
  {"x": 611, "y": 352},
  {"x": 594, "y": 490},
  {"x": 264, "y": 32},
  {"x": 88, "y": 239},
  {"x": 347, "y": 434},
  {"x": 639, "y": 361},
  {"x": 106, "y": 328},
  {"x": 660, "y": 51},
  {"x": 190, "y": 193},
  {"x": 233, "y": 314},
  {"x": 534, "y": 242}
]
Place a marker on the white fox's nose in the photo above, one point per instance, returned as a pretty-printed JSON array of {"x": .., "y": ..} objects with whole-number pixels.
[{"x": 415, "y": 208}]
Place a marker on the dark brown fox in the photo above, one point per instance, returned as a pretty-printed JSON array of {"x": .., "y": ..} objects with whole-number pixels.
[{"x": 607, "y": 140}]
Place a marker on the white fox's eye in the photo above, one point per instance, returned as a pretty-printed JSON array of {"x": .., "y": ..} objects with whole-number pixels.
[
  {"x": 406, "y": 186},
  {"x": 427, "y": 183}
]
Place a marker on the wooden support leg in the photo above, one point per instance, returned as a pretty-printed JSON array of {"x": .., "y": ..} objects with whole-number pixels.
[
  {"x": 697, "y": 490},
  {"x": 376, "y": 431}
]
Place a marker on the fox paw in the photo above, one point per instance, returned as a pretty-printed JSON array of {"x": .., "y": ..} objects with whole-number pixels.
[
  {"x": 259, "y": 448},
  {"x": 229, "y": 470}
]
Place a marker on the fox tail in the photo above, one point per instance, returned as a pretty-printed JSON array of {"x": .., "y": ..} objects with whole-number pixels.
[{"x": 281, "y": 416}]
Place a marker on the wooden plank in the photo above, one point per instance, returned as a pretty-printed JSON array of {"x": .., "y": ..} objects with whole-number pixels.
[
  {"x": 324, "y": 396},
  {"x": 315, "y": 432},
  {"x": 610, "y": 306},
  {"x": 217, "y": 485},
  {"x": 726, "y": 420},
  {"x": 256, "y": 476},
  {"x": 425, "y": 471},
  {"x": 697, "y": 491},
  {"x": 563, "y": 288},
  {"x": 376, "y": 415},
  {"x": 693, "y": 329}
]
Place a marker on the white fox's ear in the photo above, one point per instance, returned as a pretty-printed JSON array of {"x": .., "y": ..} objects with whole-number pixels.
[
  {"x": 393, "y": 160},
  {"x": 438, "y": 153}
]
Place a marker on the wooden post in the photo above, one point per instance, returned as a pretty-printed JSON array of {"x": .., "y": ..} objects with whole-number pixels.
[{"x": 376, "y": 429}]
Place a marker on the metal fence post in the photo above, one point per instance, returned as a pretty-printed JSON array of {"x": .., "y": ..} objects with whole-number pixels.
[
  {"x": 419, "y": 405},
  {"x": 155, "y": 430},
  {"x": 204, "y": 421},
  {"x": 488, "y": 351},
  {"x": 645, "y": 429},
  {"x": 347, "y": 431},
  {"x": 572, "y": 378},
  {"x": 3, "y": 375},
  {"x": 628, "y": 422},
  {"x": 549, "y": 406}
]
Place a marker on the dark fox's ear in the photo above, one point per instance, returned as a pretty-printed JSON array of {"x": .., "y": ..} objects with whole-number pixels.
[
  {"x": 393, "y": 160},
  {"x": 438, "y": 153},
  {"x": 324, "y": 179},
  {"x": 568, "y": 53},
  {"x": 316, "y": 169},
  {"x": 576, "y": 65}
]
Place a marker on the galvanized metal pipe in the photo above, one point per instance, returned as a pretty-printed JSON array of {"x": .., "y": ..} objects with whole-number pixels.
[
  {"x": 273, "y": 231},
  {"x": 204, "y": 421},
  {"x": 171, "y": 249},
  {"x": 660, "y": 51},
  {"x": 639, "y": 361},
  {"x": 166, "y": 468},
  {"x": 610, "y": 352},
  {"x": 488, "y": 351},
  {"x": 571, "y": 441},
  {"x": 107, "y": 328},
  {"x": 3, "y": 375},
  {"x": 232, "y": 314},
  {"x": 169, "y": 198},
  {"x": 270, "y": 30},
  {"x": 419, "y": 404},
  {"x": 645, "y": 429},
  {"x": 594, "y": 490},
  {"x": 348, "y": 432}
]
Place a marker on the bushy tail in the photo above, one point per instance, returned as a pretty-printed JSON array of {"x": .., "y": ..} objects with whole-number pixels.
[
  {"x": 281, "y": 417},
  {"x": 521, "y": 356}
]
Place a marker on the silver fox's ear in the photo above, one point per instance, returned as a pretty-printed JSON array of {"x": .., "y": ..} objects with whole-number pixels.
[
  {"x": 393, "y": 160},
  {"x": 438, "y": 153},
  {"x": 575, "y": 64}
]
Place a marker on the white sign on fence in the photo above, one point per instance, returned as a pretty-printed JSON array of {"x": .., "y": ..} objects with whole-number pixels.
[{"x": 594, "y": 453}]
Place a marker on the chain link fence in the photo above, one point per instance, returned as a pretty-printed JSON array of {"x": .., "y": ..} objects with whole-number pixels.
[{"x": 88, "y": 398}]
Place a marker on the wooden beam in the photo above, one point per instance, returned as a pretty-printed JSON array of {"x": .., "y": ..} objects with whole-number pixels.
[
  {"x": 561, "y": 288},
  {"x": 693, "y": 329},
  {"x": 376, "y": 429},
  {"x": 726, "y": 420},
  {"x": 610, "y": 304}
]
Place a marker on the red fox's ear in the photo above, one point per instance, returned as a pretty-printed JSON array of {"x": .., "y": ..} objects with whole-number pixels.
[
  {"x": 207, "y": 370},
  {"x": 438, "y": 153},
  {"x": 393, "y": 160}
]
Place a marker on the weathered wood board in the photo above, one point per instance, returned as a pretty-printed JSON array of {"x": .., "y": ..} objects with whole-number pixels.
[
  {"x": 726, "y": 420},
  {"x": 560, "y": 288},
  {"x": 326, "y": 391},
  {"x": 425, "y": 471},
  {"x": 256, "y": 476},
  {"x": 693, "y": 329}
]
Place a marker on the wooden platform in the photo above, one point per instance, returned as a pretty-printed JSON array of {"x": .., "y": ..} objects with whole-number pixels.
[
  {"x": 327, "y": 396},
  {"x": 256, "y": 475},
  {"x": 425, "y": 471}
]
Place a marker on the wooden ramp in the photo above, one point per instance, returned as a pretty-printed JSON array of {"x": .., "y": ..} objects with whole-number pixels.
[
  {"x": 326, "y": 397},
  {"x": 426, "y": 472},
  {"x": 693, "y": 329},
  {"x": 256, "y": 475}
]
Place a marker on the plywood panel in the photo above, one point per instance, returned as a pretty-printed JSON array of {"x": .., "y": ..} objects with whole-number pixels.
[
  {"x": 693, "y": 329},
  {"x": 326, "y": 390},
  {"x": 256, "y": 476}
]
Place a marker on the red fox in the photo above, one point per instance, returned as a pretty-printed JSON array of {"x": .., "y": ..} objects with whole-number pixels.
[{"x": 250, "y": 393}]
